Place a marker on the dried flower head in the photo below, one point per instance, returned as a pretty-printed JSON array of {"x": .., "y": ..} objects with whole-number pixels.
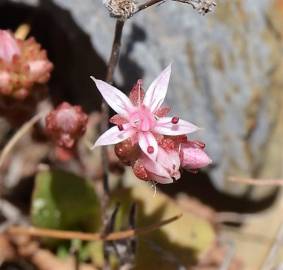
[
  {"x": 66, "y": 124},
  {"x": 121, "y": 9},
  {"x": 23, "y": 65},
  {"x": 202, "y": 6}
]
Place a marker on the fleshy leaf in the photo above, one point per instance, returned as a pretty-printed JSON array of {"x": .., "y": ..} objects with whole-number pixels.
[
  {"x": 184, "y": 240},
  {"x": 64, "y": 201}
]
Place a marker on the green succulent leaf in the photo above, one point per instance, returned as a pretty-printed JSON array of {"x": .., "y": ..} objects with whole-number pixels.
[{"x": 64, "y": 201}]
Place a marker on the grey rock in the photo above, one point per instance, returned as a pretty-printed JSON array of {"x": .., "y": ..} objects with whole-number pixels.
[{"x": 223, "y": 66}]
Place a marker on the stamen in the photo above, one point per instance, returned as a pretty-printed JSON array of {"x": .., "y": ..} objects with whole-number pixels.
[
  {"x": 150, "y": 149},
  {"x": 120, "y": 127},
  {"x": 175, "y": 120}
]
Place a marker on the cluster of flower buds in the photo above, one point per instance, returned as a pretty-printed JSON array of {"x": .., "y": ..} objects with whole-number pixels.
[
  {"x": 23, "y": 65},
  {"x": 154, "y": 145},
  {"x": 65, "y": 125}
]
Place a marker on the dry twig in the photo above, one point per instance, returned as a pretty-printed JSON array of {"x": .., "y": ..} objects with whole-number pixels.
[
  {"x": 17, "y": 136},
  {"x": 32, "y": 231},
  {"x": 257, "y": 182}
]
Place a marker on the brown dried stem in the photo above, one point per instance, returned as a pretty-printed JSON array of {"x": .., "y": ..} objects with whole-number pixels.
[
  {"x": 113, "y": 61},
  {"x": 148, "y": 4},
  {"x": 38, "y": 232},
  {"x": 256, "y": 182},
  {"x": 202, "y": 6},
  {"x": 114, "y": 57},
  {"x": 17, "y": 136}
]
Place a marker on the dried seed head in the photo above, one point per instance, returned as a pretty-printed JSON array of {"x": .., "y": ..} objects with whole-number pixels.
[
  {"x": 202, "y": 6},
  {"x": 121, "y": 9},
  {"x": 205, "y": 6}
]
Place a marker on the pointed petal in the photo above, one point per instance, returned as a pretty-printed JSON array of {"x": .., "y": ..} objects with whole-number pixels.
[
  {"x": 116, "y": 99},
  {"x": 160, "y": 179},
  {"x": 113, "y": 136},
  {"x": 146, "y": 140},
  {"x": 169, "y": 160},
  {"x": 156, "y": 92},
  {"x": 155, "y": 170},
  {"x": 166, "y": 127},
  {"x": 8, "y": 46}
]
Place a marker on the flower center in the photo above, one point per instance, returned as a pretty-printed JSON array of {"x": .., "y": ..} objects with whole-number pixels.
[{"x": 142, "y": 119}]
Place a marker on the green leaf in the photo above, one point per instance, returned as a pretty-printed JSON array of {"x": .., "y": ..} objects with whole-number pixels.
[
  {"x": 177, "y": 244},
  {"x": 64, "y": 201}
]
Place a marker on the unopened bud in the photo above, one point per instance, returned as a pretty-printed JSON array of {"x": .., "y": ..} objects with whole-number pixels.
[{"x": 66, "y": 124}]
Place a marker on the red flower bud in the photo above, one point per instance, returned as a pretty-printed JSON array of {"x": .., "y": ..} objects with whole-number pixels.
[{"x": 66, "y": 124}]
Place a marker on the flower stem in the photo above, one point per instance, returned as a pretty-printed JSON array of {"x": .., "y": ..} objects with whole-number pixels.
[
  {"x": 115, "y": 51},
  {"x": 114, "y": 57},
  {"x": 113, "y": 61}
]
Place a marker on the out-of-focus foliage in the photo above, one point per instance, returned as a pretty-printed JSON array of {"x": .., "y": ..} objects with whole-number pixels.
[
  {"x": 62, "y": 200},
  {"x": 176, "y": 244}
]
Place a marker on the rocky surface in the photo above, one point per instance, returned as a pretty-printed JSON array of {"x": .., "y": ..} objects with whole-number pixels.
[{"x": 226, "y": 71}]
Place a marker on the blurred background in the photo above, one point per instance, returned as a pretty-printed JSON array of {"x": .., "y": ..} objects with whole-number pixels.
[{"x": 227, "y": 78}]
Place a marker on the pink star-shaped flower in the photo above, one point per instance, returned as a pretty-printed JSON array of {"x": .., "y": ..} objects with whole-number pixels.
[{"x": 139, "y": 118}]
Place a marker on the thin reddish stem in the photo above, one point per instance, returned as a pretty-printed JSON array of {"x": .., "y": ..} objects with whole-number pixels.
[{"x": 38, "y": 232}]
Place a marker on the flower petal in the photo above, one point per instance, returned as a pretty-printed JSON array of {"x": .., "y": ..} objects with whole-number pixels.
[
  {"x": 113, "y": 136},
  {"x": 116, "y": 99},
  {"x": 161, "y": 180},
  {"x": 147, "y": 141},
  {"x": 156, "y": 92},
  {"x": 8, "y": 46},
  {"x": 166, "y": 127},
  {"x": 169, "y": 160},
  {"x": 156, "y": 171}
]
